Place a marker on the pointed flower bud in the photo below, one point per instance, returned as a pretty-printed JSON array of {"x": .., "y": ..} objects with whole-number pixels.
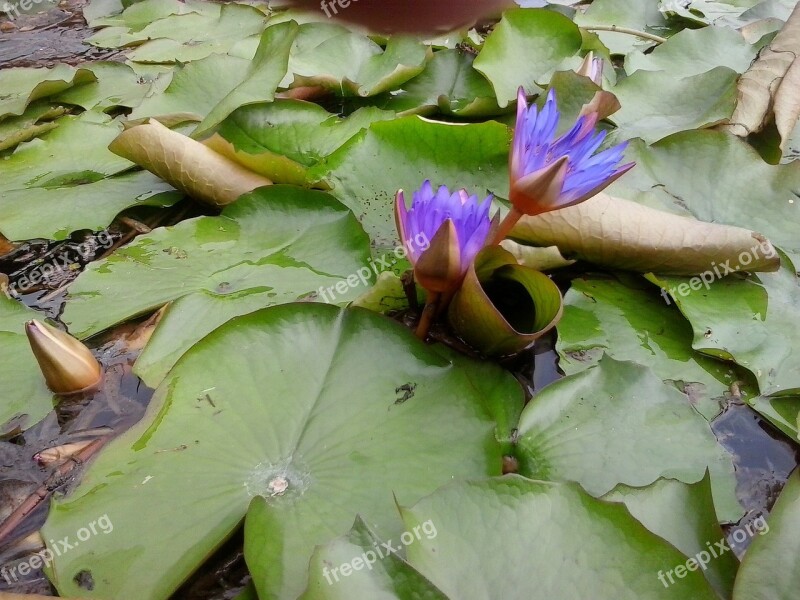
[
  {"x": 548, "y": 173},
  {"x": 592, "y": 68},
  {"x": 68, "y": 366},
  {"x": 442, "y": 233}
]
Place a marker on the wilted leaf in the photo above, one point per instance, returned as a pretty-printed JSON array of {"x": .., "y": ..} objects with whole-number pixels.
[
  {"x": 503, "y": 307},
  {"x": 621, "y": 234},
  {"x": 186, "y": 164},
  {"x": 674, "y": 175},
  {"x": 771, "y": 86}
]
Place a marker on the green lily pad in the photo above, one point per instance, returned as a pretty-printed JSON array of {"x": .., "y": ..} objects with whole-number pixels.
[
  {"x": 751, "y": 321},
  {"x": 76, "y": 152},
  {"x": 55, "y": 212},
  {"x": 706, "y": 12},
  {"x": 334, "y": 57},
  {"x": 781, "y": 411},
  {"x": 23, "y": 388},
  {"x": 193, "y": 89},
  {"x": 190, "y": 35},
  {"x": 633, "y": 14},
  {"x": 138, "y": 14},
  {"x": 695, "y": 51},
  {"x": 572, "y": 91},
  {"x": 683, "y": 515},
  {"x": 673, "y": 175},
  {"x": 525, "y": 48},
  {"x": 117, "y": 85},
  {"x": 279, "y": 422},
  {"x": 403, "y": 153},
  {"x": 262, "y": 78},
  {"x": 61, "y": 183},
  {"x": 618, "y": 423},
  {"x": 34, "y": 122},
  {"x": 24, "y": 85},
  {"x": 386, "y": 576},
  {"x": 626, "y": 320},
  {"x": 763, "y": 574},
  {"x": 449, "y": 84},
  {"x": 283, "y": 140},
  {"x": 655, "y": 104},
  {"x": 511, "y": 537},
  {"x": 277, "y": 244}
]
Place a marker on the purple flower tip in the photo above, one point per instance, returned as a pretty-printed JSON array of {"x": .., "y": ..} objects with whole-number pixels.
[
  {"x": 535, "y": 147},
  {"x": 430, "y": 209}
]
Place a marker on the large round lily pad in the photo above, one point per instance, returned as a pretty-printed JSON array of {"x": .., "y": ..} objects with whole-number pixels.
[{"x": 317, "y": 413}]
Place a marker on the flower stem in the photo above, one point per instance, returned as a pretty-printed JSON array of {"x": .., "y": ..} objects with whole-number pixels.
[
  {"x": 431, "y": 307},
  {"x": 506, "y": 225},
  {"x": 627, "y": 30}
]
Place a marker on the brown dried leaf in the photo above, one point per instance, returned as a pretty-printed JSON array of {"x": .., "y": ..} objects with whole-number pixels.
[
  {"x": 622, "y": 234},
  {"x": 186, "y": 164}
]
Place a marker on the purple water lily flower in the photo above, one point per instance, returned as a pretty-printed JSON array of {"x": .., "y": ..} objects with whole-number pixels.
[
  {"x": 548, "y": 173},
  {"x": 442, "y": 233},
  {"x": 429, "y": 210}
]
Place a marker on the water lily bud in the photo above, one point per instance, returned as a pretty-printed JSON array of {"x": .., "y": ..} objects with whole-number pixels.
[
  {"x": 592, "y": 68},
  {"x": 67, "y": 365}
]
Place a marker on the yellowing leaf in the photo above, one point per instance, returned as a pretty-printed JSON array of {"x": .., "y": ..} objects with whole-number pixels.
[
  {"x": 622, "y": 234},
  {"x": 186, "y": 164}
]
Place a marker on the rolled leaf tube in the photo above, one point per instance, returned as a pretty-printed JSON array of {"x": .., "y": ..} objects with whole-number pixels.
[
  {"x": 186, "y": 164},
  {"x": 502, "y": 307}
]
